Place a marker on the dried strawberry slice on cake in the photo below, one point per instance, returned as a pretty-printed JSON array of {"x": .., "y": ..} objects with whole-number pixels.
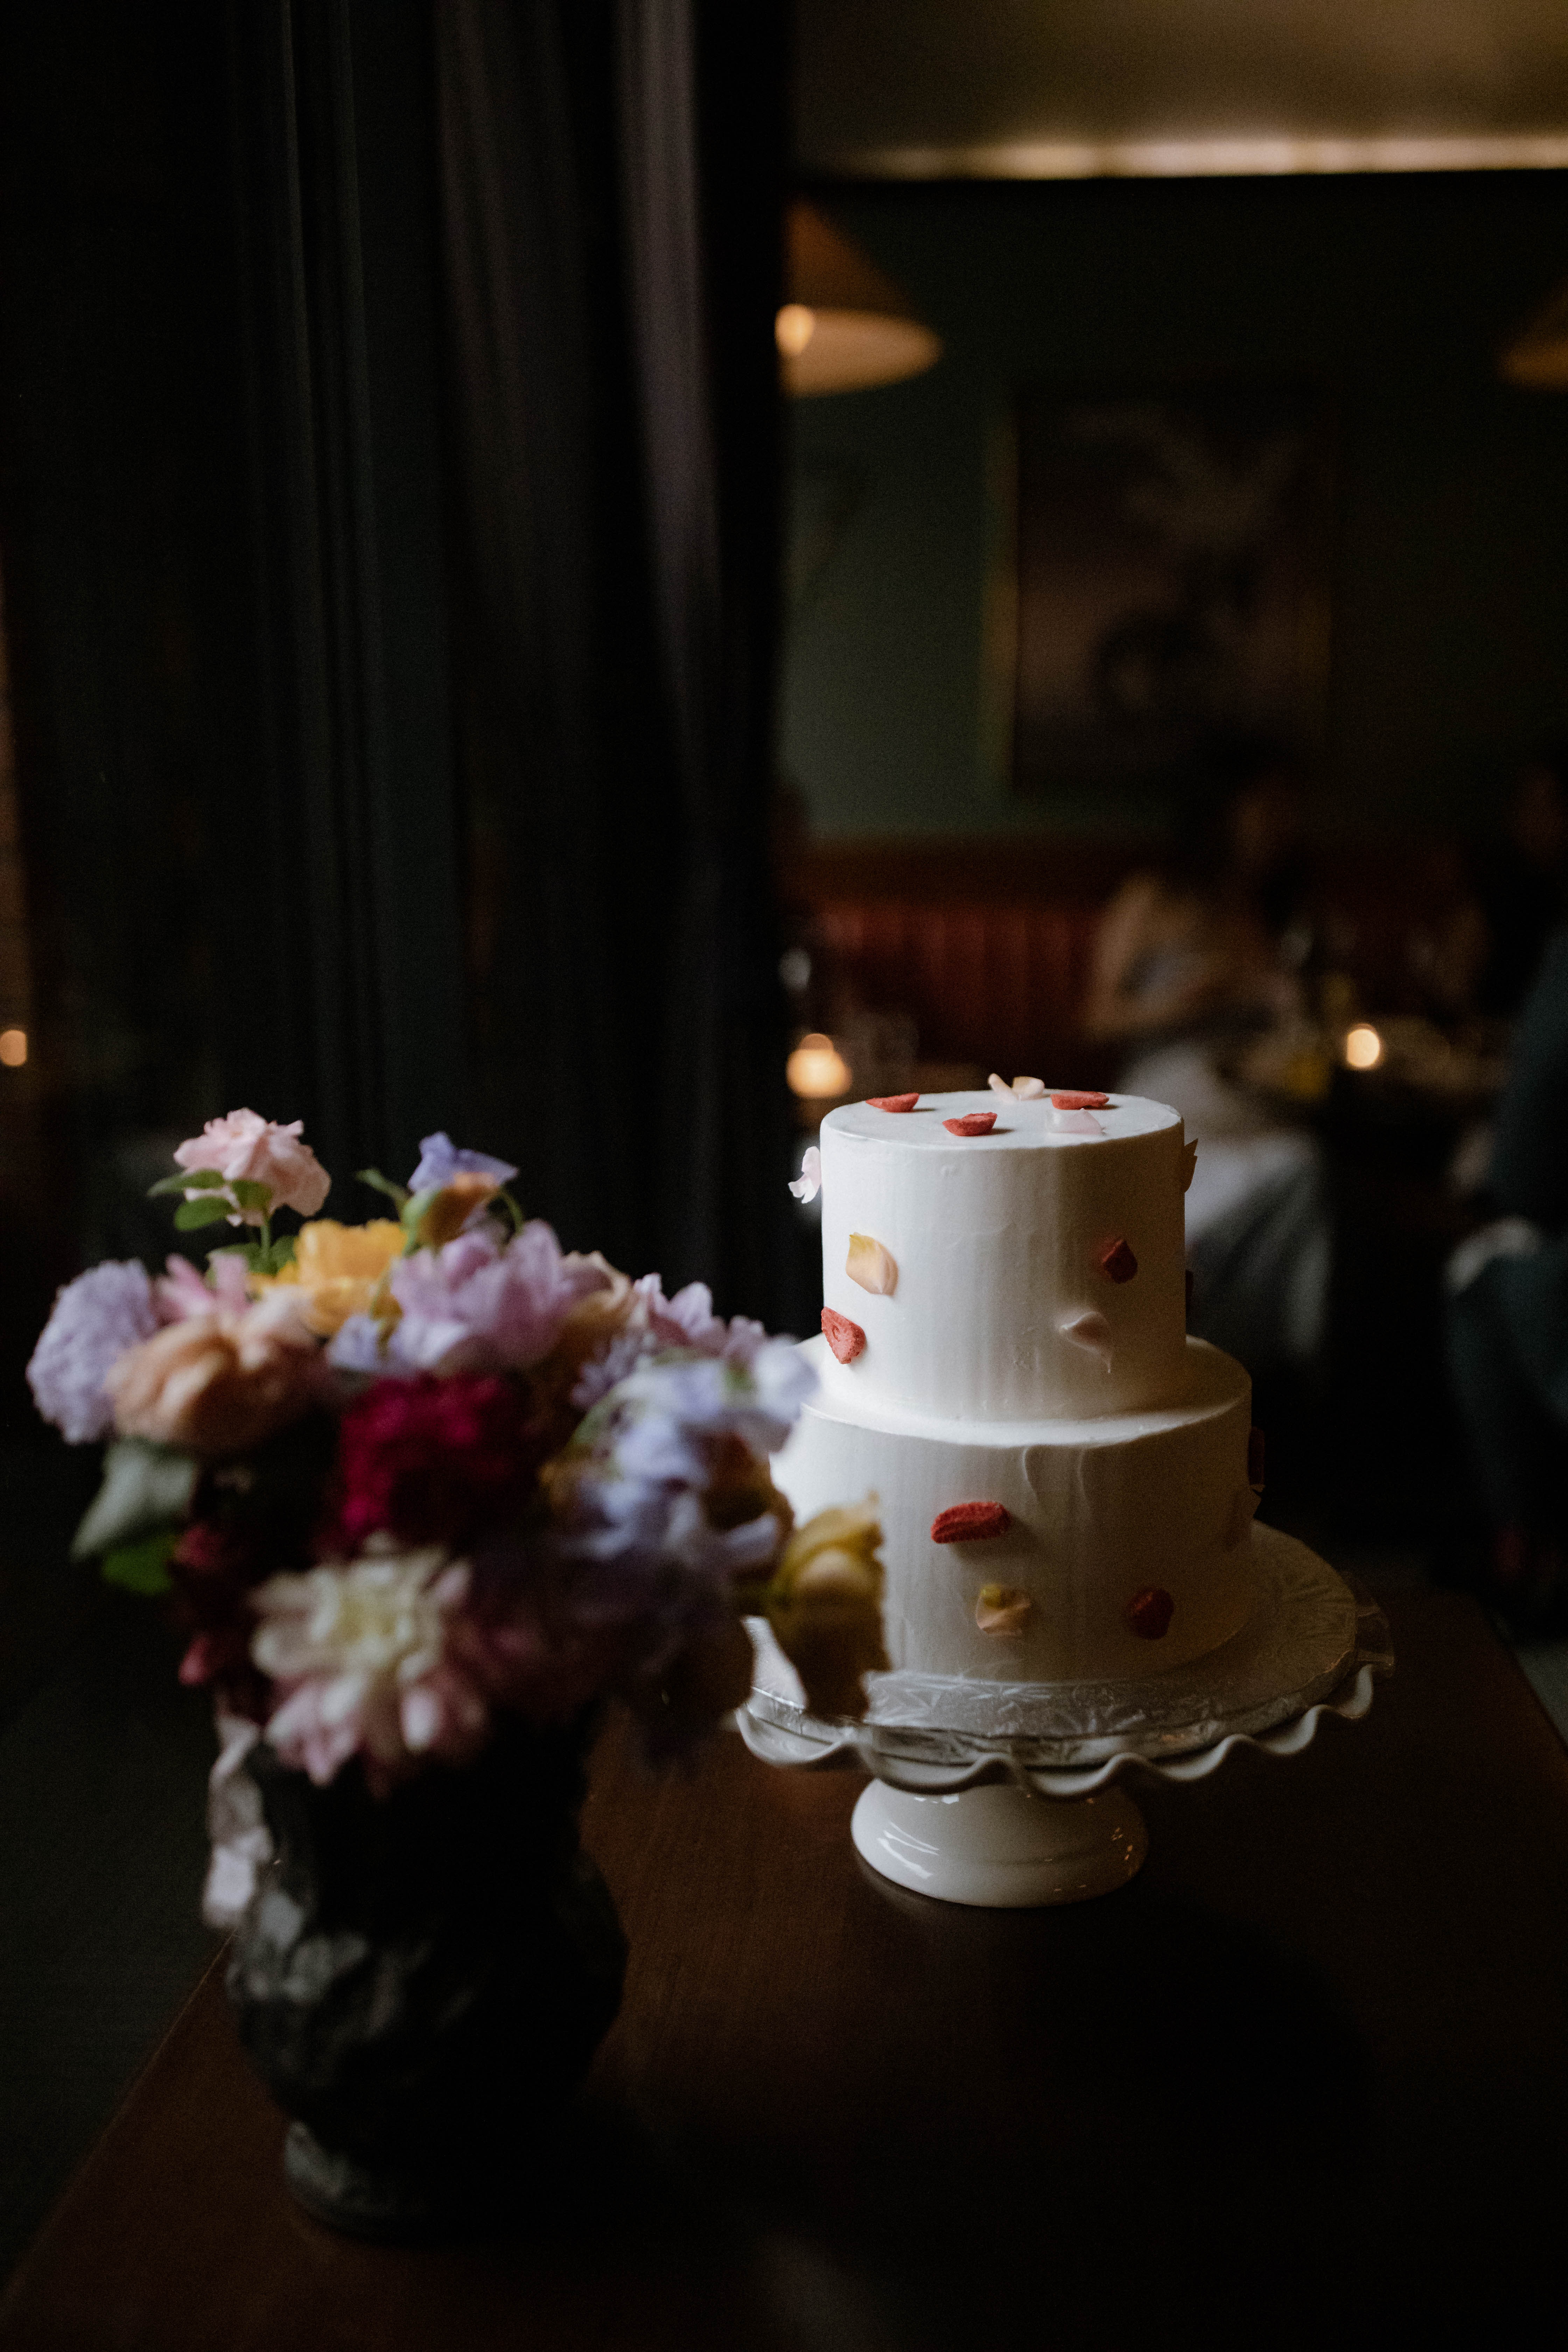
[
  {"x": 970, "y": 1522},
  {"x": 845, "y": 1337}
]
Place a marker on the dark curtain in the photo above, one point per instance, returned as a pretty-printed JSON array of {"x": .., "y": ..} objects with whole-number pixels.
[
  {"x": 613, "y": 187},
  {"x": 350, "y": 828},
  {"x": 378, "y": 376},
  {"x": 221, "y": 518}
]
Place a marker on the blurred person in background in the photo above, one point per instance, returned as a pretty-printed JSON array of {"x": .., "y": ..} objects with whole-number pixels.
[
  {"x": 1519, "y": 882},
  {"x": 1508, "y": 1318},
  {"x": 1195, "y": 960}
]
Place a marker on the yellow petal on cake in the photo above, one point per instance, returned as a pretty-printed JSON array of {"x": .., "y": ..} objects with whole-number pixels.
[
  {"x": 1002, "y": 1609},
  {"x": 1000, "y": 1087},
  {"x": 872, "y": 1265},
  {"x": 1091, "y": 1332},
  {"x": 1189, "y": 1164},
  {"x": 1028, "y": 1089}
]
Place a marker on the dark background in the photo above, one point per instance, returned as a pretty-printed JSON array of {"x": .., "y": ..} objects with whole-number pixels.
[{"x": 1391, "y": 295}]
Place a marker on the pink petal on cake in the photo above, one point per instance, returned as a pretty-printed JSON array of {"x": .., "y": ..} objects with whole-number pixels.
[
  {"x": 846, "y": 1338},
  {"x": 1118, "y": 1260},
  {"x": 1090, "y": 1330},
  {"x": 973, "y": 1122},
  {"x": 1149, "y": 1614},
  {"x": 1076, "y": 1122},
  {"x": 891, "y": 1102},
  {"x": 1189, "y": 1164},
  {"x": 1002, "y": 1609},
  {"x": 872, "y": 1266},
  {"x": 808, "y": 1183},
  {"x": 1028, "y": 1089},
  {"x": 1078, "y": 1098},
  {"x": 970, "y": 1522}
]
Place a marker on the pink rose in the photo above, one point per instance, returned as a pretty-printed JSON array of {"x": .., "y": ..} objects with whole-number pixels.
[
  {"x": 219, "y": 1383},
  {"x": 246, "y": 1147}
]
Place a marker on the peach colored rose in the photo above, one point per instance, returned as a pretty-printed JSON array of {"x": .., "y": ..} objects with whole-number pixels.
[
  {"x": 825, "y": 1605},
  {"x": 219, "y": 1383},
  {"x": 335, "y": 1270},
  {"x": 245, "y": 1147}
]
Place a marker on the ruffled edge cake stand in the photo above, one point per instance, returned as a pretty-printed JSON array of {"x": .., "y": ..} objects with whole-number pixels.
[{"x": 1009, "y": 1795}]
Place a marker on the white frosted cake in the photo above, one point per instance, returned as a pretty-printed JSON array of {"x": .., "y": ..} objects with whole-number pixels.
[{"x": 1065, "y": 1479}]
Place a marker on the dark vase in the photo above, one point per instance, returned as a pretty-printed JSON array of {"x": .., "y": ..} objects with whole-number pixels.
[{"x": 422, "y": 1979}]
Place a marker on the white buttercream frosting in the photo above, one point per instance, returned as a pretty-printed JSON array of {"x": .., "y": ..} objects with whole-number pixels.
[
  {"x": 1101, "y": 1510},
  {"x": 1009, "y": 1365},
  {"x": 1002, "y": 1307}
]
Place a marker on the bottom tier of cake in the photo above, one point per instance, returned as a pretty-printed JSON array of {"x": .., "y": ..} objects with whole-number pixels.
[{"x": 1124, "y": 1544}]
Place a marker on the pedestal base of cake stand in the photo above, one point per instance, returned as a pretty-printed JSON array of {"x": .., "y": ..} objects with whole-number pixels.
[
  {"x": 1003, "y": 1848},
  {"x": 1009, "y": 1795}
]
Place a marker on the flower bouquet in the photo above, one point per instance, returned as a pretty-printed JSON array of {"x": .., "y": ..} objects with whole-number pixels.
[{"x": 424, "y": 1494}]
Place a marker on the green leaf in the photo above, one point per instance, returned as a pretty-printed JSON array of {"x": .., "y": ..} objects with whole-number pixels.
[
  {"x": 200, "y": 1213},
  {"x": 143, "y": 1567},
  {"x": 146, "y": 1488},
  {"x": 413, "y": 1207},
  {"x": 251, "y": 1195},
  {"x": 192, "y": 1179},
  {"x": 280, "y": 1255},
  {"x": 379, "y": 1184}
]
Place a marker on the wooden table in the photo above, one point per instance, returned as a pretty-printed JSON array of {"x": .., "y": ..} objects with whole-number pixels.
[{"x": 1306, "y": 2080}]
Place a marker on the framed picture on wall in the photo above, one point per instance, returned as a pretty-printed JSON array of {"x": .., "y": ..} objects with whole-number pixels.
[{"x": 1172, "y": 554}]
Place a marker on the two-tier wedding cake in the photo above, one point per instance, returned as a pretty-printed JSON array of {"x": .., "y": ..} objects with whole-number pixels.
[{"x": 1066, "y": 1480}]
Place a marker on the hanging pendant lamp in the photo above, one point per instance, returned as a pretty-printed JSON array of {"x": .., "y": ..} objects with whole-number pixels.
[{"x": 845, "y": 326}]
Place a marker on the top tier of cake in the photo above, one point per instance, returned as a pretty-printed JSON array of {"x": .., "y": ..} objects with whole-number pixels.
[{"x": 1035, "y": 1272}]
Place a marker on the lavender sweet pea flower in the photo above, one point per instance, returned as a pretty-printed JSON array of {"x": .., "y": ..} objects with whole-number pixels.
[
  {"x": 615, "y": 1362},
  {"x": 688, "y": 1320},
  {"x": 479, "y": 1307},
  {"x": 440, "y": 1160},
  {"x": 364, "y": 1344},
  {"x": 652, "y": 1444},
  {"x": 97, "y": 1319},
  {"x": 658, "y": 1326}
]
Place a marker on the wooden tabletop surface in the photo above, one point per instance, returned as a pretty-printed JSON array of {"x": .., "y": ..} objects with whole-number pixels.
[{"x": 1306, "y": 2079}]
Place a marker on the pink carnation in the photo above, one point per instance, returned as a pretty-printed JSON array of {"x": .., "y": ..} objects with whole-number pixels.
[
  {"x": 181, "y": 1292},
  {"x": 246, "y": 1147}
]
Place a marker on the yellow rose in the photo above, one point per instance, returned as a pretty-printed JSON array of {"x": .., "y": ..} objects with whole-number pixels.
[
  {"x": 337, "y": 1269},
  {"x": 825, "y": 1605}
]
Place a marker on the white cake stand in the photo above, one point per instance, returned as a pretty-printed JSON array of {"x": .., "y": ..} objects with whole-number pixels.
[{"x": 1009, "y": 1795}]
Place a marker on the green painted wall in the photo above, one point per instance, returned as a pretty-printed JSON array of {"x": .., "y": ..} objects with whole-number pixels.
[{"x": 1449, "y": 566}]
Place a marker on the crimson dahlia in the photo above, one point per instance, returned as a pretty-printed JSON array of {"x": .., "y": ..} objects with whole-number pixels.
[{"x": 433, "y": 1460}]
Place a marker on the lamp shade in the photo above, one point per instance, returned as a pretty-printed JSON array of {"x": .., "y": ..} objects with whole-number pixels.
[
  {"x": 1539, "y": 357},
  {"x": 845, "y": 327}
]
